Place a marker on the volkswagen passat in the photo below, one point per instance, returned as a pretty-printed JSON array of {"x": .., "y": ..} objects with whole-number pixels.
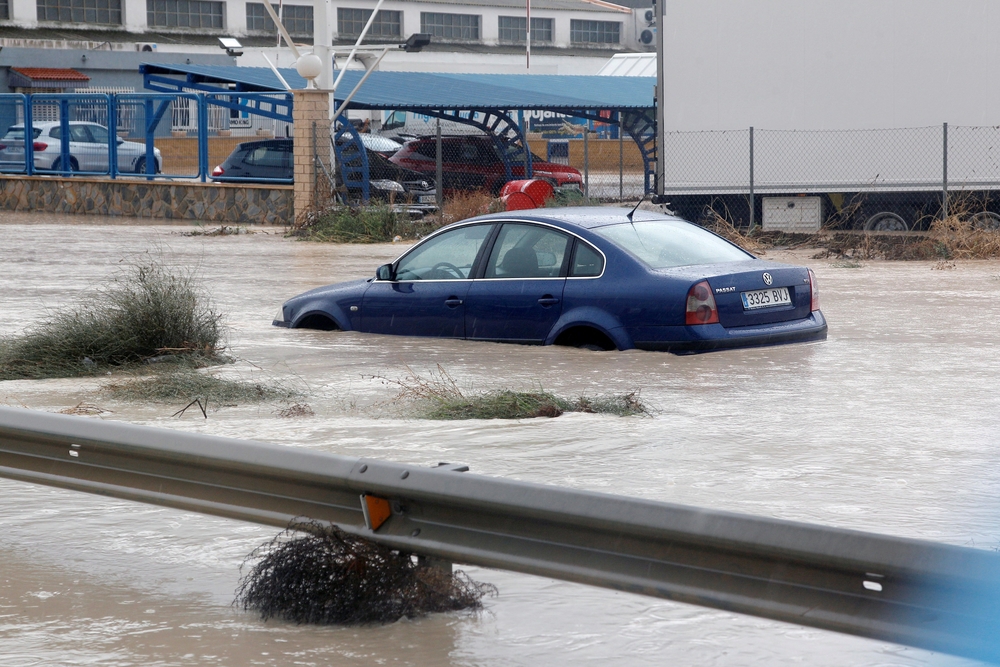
[{"x": 585, "y": 277}]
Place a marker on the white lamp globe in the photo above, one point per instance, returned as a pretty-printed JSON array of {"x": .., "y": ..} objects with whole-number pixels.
[{"x": 309, "y": 67}]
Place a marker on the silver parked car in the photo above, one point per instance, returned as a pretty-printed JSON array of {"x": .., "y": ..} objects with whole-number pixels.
[{"x": 88, "y": 149}]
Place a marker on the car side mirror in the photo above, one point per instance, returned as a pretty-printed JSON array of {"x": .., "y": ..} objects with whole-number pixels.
[
  {"x": 385, "y": 272},
  {"x": 120, "y": 140}
]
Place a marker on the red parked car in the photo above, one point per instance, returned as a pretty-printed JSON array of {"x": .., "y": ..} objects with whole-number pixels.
[{"x": 474, "y": 162}]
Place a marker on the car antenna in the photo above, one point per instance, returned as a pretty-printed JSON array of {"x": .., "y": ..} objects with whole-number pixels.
[{"x": 655, "y": 199}]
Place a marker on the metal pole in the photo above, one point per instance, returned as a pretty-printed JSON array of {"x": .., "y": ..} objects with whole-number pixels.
[
  {"x": 315, "y": 170},
  {"x": 439, "y": 171},
  {"x": 621, "y": 161},
  {"x": 661, "y": 126},
  {"x": 944, "y": 173},
  {"x": 752, "y": 208},
  {"x": 586, "y": 161}
]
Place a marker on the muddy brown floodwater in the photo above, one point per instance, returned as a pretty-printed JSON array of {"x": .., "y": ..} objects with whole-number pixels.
[{"x": 891, "y": 425}]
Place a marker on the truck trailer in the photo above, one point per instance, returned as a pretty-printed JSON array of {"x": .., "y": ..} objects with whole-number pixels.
[{"x": 872, "y": 114}]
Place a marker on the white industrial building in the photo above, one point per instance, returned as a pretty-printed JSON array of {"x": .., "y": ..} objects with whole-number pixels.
[{"x": 567, "y": 36}]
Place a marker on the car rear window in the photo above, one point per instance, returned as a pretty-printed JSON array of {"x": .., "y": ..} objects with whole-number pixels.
[
  {"x": 17, "y": 133},
  {"x": 667, "y": 243}
]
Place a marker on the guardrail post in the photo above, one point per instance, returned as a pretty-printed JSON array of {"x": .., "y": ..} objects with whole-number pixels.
[{"x": 944, "y": 172}]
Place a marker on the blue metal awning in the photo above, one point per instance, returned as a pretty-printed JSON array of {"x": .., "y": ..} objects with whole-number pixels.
[{"x": 421, "y": 90}]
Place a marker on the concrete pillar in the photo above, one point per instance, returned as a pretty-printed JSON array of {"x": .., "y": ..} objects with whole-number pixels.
[{"x": 310, "y": 106}]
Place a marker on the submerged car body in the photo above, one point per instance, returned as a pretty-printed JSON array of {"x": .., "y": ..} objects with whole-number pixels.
[{"x": 585, "y": 277}]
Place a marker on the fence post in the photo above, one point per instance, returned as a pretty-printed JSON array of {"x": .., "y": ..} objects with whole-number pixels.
[
  {"x": 65, "y": 161},
  {"x": 316, "y": 159},
  {"x": 202, "y": 138},
  {"x": 586, "y": 161},
  {"x": 621, "y": 161},
  {"x": 29, "y": 146},
  {"x": 753, "y": 209},
  {"x": 439, "y": 171},
  {"x": 944, "y": 173},
  {"x": 113, "y": 135}
]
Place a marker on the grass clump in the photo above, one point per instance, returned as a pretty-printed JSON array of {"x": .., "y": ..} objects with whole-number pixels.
[
  {"x": 363, "y": 224},
  {"x": 143, "y": 313},
  {"x": 439, "y": 397},
  {"x": 316, "y": 573},
  {"x": 188, "y": 385}
]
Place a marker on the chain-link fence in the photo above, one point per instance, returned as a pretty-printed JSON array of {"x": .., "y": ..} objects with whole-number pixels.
[{"x": 883, "y": 180}]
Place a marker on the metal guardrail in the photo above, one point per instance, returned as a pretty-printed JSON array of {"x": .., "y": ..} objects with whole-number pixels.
[{"x": 912, "y": 592}]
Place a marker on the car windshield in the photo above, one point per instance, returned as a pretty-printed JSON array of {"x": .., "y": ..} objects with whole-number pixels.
[
  {"x": 663, "y": 244},
  {"x": 17, "y": 133}
]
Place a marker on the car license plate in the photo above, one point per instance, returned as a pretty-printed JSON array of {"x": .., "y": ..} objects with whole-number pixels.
[
  {"x": 765, "y": 298},
  {"x": 428, "y": 199}
]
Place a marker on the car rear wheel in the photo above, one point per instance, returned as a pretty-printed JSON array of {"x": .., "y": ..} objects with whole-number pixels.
[
  {"x": 886, "y": 221},
  {"x": 140, "y": 166},
  {"x": 73, "y": 165}
]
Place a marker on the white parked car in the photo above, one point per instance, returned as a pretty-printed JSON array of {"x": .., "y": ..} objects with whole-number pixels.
[{"x": 88, "y": 149}]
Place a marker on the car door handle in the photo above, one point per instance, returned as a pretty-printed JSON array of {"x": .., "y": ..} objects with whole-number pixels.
[
  {"x": 453, "y": 302},
  {"x": 548, "y": 301}
]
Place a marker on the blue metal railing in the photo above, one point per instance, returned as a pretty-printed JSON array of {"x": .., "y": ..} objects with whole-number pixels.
[{"x": 85, "y": 133}]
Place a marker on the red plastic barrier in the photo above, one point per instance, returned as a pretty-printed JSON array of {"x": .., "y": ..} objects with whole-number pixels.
[{"x": 524, "y": 194}]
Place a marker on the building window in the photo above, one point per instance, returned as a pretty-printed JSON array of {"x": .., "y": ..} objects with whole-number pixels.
[
  {"x": 594, "y": 32},
  {"x": 184, "y": 14},
  {"x": 298, "y": 19},
  {"x": 101, "y": 12},
  {"x": 350, "y": 22},
  {"x": 4, "y": 10},
  {"x": 512, "y": 30},
  {"x": 463, "y": 27}
]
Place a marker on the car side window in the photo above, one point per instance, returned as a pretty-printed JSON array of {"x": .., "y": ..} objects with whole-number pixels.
[
  {"x": 587, "y": 262},
  {"x": 79, "y": 133},
  {"x": 266, "y": 156},
  {"x": 98, "y": 134},
  {"x": 447, "y": 256},
  {"x": 527, "y": 251}
]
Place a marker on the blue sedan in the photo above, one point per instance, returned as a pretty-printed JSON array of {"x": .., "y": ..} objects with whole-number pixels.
[{"x": 593, "y": 278}]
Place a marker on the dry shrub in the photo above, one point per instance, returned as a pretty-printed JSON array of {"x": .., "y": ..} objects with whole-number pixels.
[
  {"x": 439, "y": 397},
  {"x": 375, "y": 223},
  {"x": 297, "y": 410},
  {"x": 724, "y": 227},
  {"x": 964, "y": 240},
  {"x": 316, "y": 573},
  {"x": 189, "y": 385},
  {"x": 470, "y": 204},
  {"x": 144, "y": 312}
]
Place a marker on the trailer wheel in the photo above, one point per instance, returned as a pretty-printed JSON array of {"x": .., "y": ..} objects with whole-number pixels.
[
  {"x": 886, "y": 221},
  {"x": 986, "y": 220}
]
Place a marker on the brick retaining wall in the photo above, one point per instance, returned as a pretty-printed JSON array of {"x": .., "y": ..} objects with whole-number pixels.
[{"x": 173, "y": 200}]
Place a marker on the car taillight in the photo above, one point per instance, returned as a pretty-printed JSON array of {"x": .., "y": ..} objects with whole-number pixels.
[
  {"x": 39, "y": 146},
  {"x": 814, "y": 291},
  {"x": 701, "y": 305},
  {"x": 218, "y": 171}
]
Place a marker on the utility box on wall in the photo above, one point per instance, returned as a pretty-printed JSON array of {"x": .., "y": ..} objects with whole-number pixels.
[{"x": 793, "y": 214}]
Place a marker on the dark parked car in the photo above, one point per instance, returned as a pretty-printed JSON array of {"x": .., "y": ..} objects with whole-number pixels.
[
  {"x": 473, "y": 162},
  {"x": 584, "y": 277},
  {"x": 272, "y": 159}
]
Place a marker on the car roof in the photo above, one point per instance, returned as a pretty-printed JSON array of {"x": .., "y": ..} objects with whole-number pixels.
[{"x": 585, "y": 217}]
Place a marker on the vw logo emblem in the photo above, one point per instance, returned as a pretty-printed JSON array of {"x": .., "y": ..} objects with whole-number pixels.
[{"x": 767, "y": 279}]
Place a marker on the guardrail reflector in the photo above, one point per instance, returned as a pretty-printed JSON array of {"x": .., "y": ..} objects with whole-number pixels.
[{"x": 376, "y": 511}]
